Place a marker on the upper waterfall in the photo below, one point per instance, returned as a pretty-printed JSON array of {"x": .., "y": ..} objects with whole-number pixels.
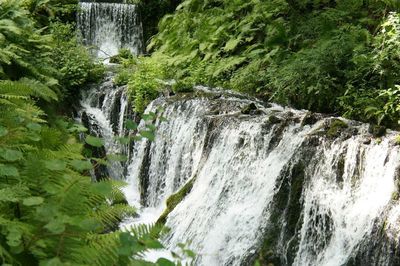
[{"x": 109, "y": 27}]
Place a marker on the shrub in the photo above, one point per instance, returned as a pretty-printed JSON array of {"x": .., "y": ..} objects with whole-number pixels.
[{"x": 146, "y": 82}]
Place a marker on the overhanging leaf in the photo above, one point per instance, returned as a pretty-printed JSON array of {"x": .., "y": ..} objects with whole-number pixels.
[
  {"x": 94, "y": 141},
  {"x": 33, "y": 201}
]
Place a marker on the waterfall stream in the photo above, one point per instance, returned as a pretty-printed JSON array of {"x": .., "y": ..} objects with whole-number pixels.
[
  {"x": 270, "y": 180},
  {"x": 273, "y": 184},
  {"x": 109, "y": 27}
]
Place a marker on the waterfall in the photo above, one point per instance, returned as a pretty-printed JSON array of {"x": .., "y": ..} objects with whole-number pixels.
[
  {"x": 276, "y": 183},
  {"x": 273, "y": 184},
  {"x": 103, "y": 111},
  {"x": 109, "y": 27}
]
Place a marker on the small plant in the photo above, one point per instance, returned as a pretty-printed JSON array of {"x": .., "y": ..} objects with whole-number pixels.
[
  {"x": 145, "y": 83},
  {"x": 122, "y": 77}
]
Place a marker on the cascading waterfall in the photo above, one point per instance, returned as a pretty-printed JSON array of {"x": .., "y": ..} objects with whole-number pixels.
[
  {"x": 282, "y": 186},
  {"x": 103, "y": 111},
  {"x": 109, "y": 27},
  {"x": 274, "y": 183}
]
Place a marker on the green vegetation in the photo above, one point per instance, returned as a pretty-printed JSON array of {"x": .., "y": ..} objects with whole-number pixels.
[
  {"x": 175, "y": 199},
  {"x": 336, "y": 127},
  {"x": 339, "y": 57},
  {"x": 144, "y": 76},
  {"x": 152, "y": 11},
  {"x": 51, "y": 211},
  {"x": 73, "y": 62}
]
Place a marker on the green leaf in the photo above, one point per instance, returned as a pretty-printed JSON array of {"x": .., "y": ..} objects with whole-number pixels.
[
  {"x": 52, "y": 262},
  {"x": 129, "y": 124},
  {"x": 3, "y": 131},
  {"x": 190, "y": 253},
  {"x": 232, "y": 44},
  {"x": 34, "y": 137},
  {"x": 80, "y": 165},
  {"x": 94, "y": 141},
  {"x": 8, "y": 170},
  {"x": 148, "y": 135},
  {"x": 55, "y": 226},
  {"x": 34, "y": 126},
  {"x": 100, "y": 161},
  {"x": 56, "y": 165},
  {"x": 11, "y": 155},
  {"x": 14, "y": 237},
  {"x": 88, "y": 224},
  {"x": 117, "y": 157},
  {"x": 163, "y": 119},
  {"x": 102, "y": 188},
  {"x": 149, "y": 116},
  {"x": 152, "y": 243},
  {"x": 151, "y": 127},
  {"x": 77, "y": 128},
  {"x": 164, "y": 262},
  {"x": 123, "y": 140},
  {"x": 33, "y": 201}
]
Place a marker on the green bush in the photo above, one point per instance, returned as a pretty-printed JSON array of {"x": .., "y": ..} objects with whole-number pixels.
[
  {"x": 146, "y": 82},
  {"x": 73, "y": 61},
  {"x": 122, "y": 77},
  {"x": 329, "y": 56}
]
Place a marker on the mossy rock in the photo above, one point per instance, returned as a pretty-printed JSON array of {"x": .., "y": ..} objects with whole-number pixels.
[
  {"x": 249, "y": 108},
  {"x": 335, "y": 128},
  {"x": 175, "y": 199},
  {"x": 115, "y": 59},
  {"x": 377, "y": 131},
  {"x": 274, "y": 120},
  {"x": 310, "y": 119}
]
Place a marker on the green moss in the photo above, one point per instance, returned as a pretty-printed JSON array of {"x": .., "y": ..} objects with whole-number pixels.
[
  {"x": 285, "y": 214},
  {"x": 377, "y": 131},
  {"x": 395, "y": 195},
  {"x": 335, "y": 128},
  {"x": 274, "y": 120},
  {"x": 249, "y": 108},
  {"x": 175, "y": 199},
  {"x": 397, "y": 140}
]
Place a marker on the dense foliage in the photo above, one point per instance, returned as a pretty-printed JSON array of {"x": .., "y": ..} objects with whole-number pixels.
[
  {"x": 152, "y": 11},
  {"x": 337, "y": 57},
  {"x": 144, "y": 77},
  {"x": 51, "y": 212}
]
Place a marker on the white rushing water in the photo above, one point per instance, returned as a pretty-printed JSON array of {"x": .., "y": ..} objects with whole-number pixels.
[
  {"x": 109, "y": 27},
  {"x": 242, "y": 165},
  {"x": 105, "y": 109},
  {"x": 352, "y": 207},
  {"x": 238, "y": 173},
  {"x": 270, "y": 184}
]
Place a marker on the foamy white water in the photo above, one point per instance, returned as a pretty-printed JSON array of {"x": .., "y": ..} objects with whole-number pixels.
[{"x": 109, "y": 27}]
